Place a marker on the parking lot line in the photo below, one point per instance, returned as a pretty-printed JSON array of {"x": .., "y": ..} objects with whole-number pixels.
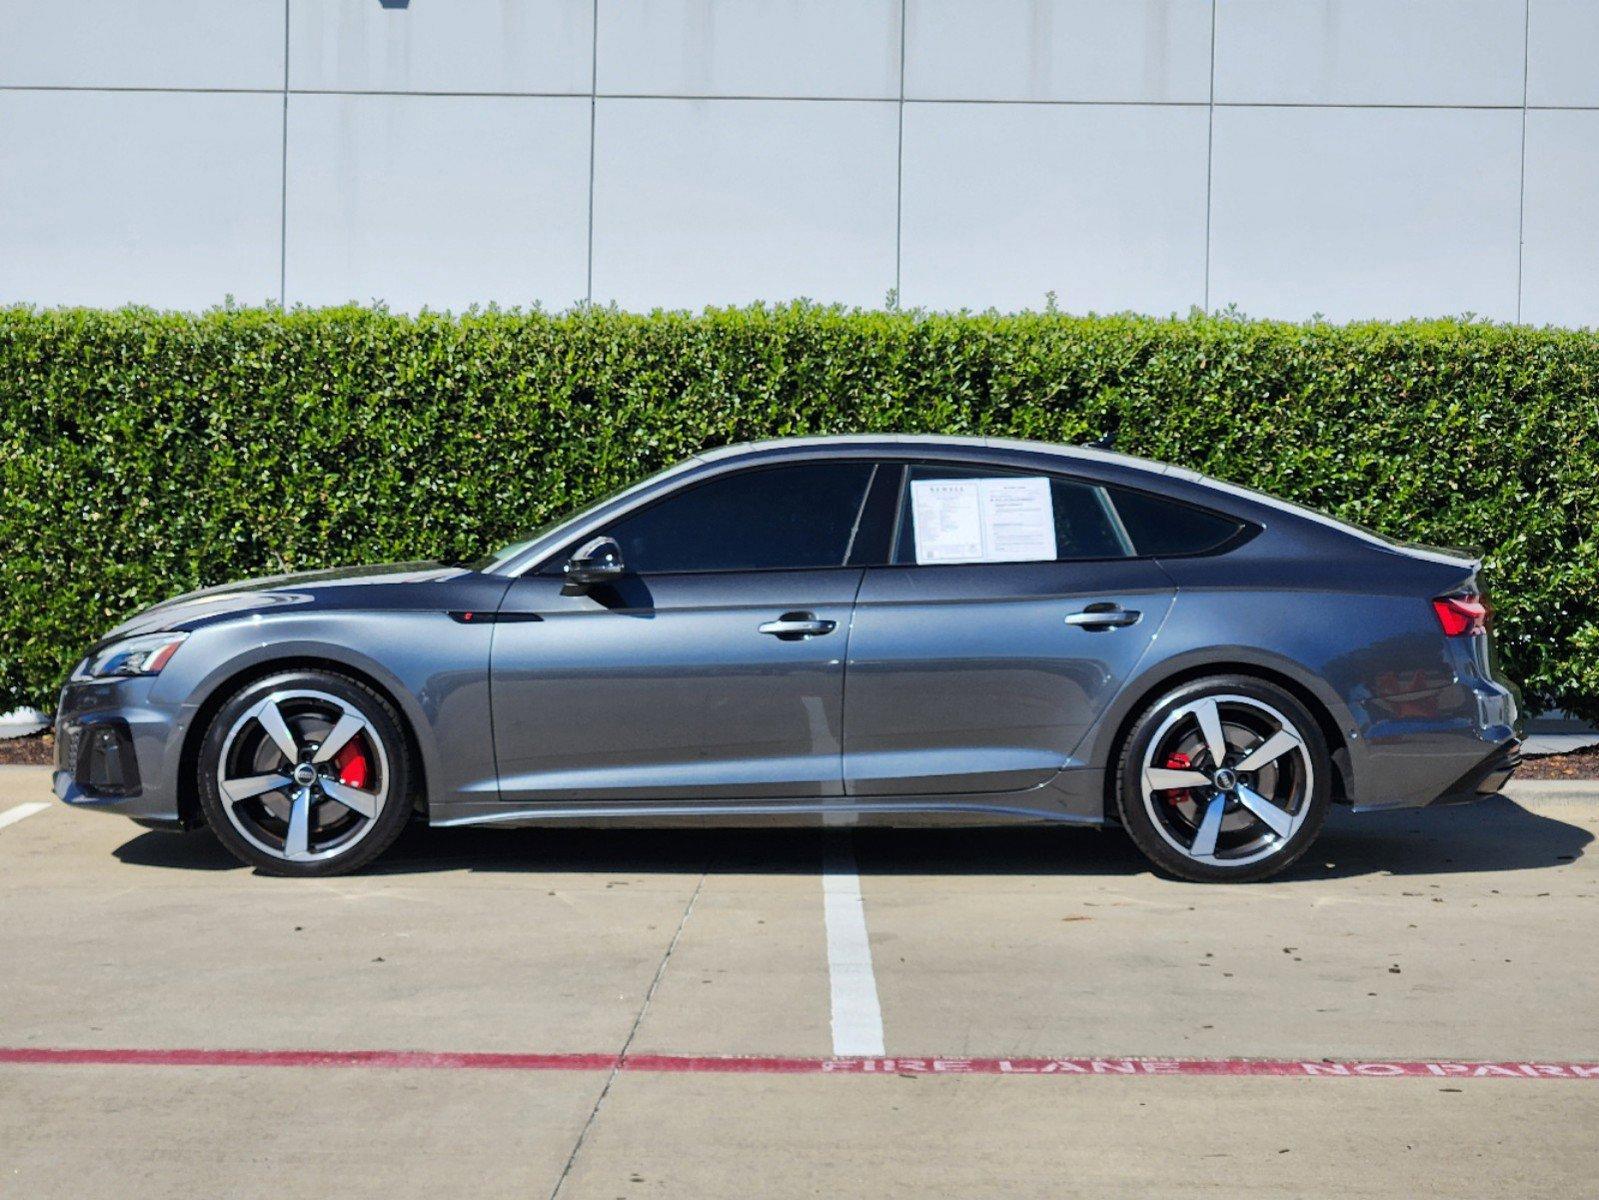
[
  {"x": 701, "y": 1064},
  {"x": 12, "y": 815},
  {"x": 857, "y": 1015}
]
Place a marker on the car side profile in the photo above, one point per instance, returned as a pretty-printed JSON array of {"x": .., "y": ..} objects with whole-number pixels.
[{"x": 899, "y": 630}]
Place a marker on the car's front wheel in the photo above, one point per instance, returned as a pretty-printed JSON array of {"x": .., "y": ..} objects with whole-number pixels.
[
  {"x": 1224, "y": 779},
  {"x": 305, "y": 773}
]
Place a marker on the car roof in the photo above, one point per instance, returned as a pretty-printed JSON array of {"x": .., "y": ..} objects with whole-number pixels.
[{"x": 901, "y": 441}]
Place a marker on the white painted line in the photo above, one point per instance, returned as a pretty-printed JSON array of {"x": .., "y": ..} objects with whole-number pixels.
[
  {"x": 12, "y": 815},
  {"x": 857, "y": 1017}
]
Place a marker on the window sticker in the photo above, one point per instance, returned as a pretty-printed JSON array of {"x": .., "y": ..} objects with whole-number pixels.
[{"x": 983, "y": 520}]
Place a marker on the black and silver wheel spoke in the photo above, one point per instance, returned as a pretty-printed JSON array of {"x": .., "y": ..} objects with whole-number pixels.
[
  {"x": 353, "y": 798},
  {"x": 297, "y": 839},
  {"x": 1204, "y": 843},
  {"x": 271, "y": 720},
  {"x": 1168, "y": 779},
  {"x": 1269, "y": 751},
  {"x": 236, "y": 791},
  {"x": 1208, "y": 716},
  {"x": 1278, "y": 820},
  {"x": 348, "y": 725}
]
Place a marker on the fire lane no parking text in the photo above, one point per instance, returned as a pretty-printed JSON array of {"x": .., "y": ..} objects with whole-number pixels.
[{"x": 768, "y": 1065}]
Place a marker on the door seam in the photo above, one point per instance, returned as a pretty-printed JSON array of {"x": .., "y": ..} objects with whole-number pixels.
[
  {"x": 488, "y": 683},
  {"x": 843, "y": 683}
]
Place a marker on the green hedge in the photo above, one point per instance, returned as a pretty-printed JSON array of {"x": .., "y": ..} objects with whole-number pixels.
[{"x": 143, "y": 454}]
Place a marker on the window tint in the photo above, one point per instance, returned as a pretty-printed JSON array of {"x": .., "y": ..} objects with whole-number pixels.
[
  {"x": 1163, "y": 527},
  {"x": 1085, "y": 526},
  {"x": 776, "y": 517}
]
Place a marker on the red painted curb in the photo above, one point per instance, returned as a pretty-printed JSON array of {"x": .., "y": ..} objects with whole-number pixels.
[
  {"x": 704, "y": 1064},
  {"x": 411, "y": 1059}
]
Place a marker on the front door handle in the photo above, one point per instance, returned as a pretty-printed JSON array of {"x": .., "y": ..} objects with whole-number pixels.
[
  {"x": 792, "y": 626},
  {"x": 1104, "y": 616}
]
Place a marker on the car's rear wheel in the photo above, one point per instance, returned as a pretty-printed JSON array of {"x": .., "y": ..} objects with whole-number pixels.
[
  {"x": 1224, "y": 779},
  {"x": 306, "y": 773}
]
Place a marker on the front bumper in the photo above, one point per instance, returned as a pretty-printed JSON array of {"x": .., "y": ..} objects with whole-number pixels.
[{"x": 117, "y": 750}]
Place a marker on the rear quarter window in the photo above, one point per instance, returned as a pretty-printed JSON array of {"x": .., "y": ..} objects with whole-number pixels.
[{"x": 1160, "y": 528}]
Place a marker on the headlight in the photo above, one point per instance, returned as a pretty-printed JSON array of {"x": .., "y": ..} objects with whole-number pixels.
[{"x": 143, "y": 655}]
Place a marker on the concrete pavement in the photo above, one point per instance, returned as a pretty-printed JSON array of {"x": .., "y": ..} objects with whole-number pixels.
[{"x": 1457, "y": 934}]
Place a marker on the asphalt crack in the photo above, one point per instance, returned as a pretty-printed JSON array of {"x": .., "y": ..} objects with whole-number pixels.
[{"x": 627, "y": 1042}]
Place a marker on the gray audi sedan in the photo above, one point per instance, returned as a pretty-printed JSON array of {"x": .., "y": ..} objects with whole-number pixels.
[{"x": 875, "y": 630}]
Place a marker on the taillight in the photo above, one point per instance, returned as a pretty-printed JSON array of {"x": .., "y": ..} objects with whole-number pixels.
[{"x": 1461, "y": 616}]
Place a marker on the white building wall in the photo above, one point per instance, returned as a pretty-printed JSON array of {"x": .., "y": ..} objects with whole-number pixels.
[{"x": 1352, "y": 158}]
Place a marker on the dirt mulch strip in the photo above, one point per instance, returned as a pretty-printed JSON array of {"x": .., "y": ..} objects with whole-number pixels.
[
  {"x": 1579, "y": 764},
  {"x": 35, "y": 750}
]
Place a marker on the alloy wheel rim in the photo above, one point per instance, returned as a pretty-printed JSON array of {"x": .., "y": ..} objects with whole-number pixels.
[
  {"x": 303, "y": 775},
  {"x": 1227, "y": 780}
]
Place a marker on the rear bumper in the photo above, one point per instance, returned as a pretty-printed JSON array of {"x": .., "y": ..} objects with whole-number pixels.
[
  {"x": 1439, "y": 747},
  {"x": 1486, "y": 778}
]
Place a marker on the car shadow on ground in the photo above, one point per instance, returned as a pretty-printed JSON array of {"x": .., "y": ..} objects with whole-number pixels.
[{"x": 1494, "y": 835}]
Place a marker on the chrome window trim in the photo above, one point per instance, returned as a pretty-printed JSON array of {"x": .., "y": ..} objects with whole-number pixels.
[{"x": 979, "y": 451}]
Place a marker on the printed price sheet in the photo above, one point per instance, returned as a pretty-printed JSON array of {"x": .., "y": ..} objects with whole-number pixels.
[{"x": 983, "y": 520}]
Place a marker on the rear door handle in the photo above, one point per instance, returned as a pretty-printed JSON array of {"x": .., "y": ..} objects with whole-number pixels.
[
  {"x": 1104, "y": 616},
  {"x": 792, "y": 626}
]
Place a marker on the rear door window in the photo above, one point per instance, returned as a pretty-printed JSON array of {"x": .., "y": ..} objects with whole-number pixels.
[{"x": 954, "y": 515}]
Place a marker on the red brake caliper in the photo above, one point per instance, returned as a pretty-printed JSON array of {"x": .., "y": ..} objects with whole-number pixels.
[
  {"x": 1177, "y": 762},
  {"x": 352, "y": 765}
]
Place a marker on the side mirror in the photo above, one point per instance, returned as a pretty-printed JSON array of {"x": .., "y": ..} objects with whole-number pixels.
[{"x": 599, "y": 561}]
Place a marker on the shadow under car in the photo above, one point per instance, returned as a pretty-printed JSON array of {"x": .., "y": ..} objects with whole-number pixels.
[{"x": 1496, "y": 834}]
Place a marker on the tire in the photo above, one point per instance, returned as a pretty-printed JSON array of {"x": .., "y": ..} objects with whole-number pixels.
[
  {"x": 334, "y": 804},
  {"x": 1168, "y": 784}
]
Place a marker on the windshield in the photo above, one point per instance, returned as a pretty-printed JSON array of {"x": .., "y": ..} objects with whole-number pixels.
[{"x": 498, "y": 559}]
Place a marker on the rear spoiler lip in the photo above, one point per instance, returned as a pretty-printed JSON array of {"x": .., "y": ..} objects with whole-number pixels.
[{"x": 1467, "y": 560}]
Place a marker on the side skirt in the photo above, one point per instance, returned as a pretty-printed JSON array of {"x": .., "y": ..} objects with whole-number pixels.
[{"x": 910, "y": 813}]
